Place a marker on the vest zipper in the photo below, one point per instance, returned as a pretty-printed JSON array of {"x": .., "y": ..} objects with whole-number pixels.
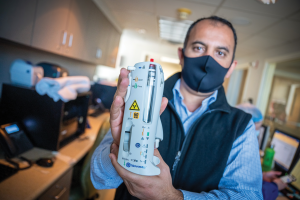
[
  {"x": 179, "y": 153},
  {"x": 177, "y": 158}
]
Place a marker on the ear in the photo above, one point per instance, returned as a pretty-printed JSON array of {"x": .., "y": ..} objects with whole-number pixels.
[
  {"x": 180, "y": 56},
  {"x": 232, "y": 67}
]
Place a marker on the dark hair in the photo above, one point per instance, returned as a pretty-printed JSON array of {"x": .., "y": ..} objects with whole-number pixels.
[
  {"x": 214, "y": 19},
  {"x": 250, "y": 100}
]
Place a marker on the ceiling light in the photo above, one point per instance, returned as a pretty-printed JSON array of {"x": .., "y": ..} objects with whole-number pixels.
[
  {"x": 173, "y": 30},
  {"x": 140, "y": 30},
  {"x": 184, "y": 13},
  {"x": 267, "y": 1},
  {"x": 169, "y": 60}
]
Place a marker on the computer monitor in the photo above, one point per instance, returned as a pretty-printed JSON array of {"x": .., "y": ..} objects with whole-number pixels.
[
  {"x": 264, "y": 134},
  {"x": 296, "y": 173},
  {"x": 103, "y": 94},
  {"x": 286, "y": 149},
  {"x": 102, "y": 98}
]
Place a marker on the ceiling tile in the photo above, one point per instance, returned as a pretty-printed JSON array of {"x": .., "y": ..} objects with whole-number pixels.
[
  {"x": 169, "y": 8},
  {"x": 131, "y": 5},
  {"x": 285, "y": 30},
  {"x": 211, "y": 2},
  {"x": 244, "y": 51},
  {"x": 260, "y": 42},
  {"x": 241, "y": 36},
  {"x": 135, "y": 20},
  {"x": 280, "y": 8},
  {"x": 257, "y": 22},
  {"x": 296, "y": 16}
]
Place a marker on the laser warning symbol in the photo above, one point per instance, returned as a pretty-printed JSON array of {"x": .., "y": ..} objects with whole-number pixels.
[{"x": 134, "y": 106}]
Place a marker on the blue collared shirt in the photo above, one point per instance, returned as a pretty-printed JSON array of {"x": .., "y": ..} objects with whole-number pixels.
[{"x": 242, "y": 178}]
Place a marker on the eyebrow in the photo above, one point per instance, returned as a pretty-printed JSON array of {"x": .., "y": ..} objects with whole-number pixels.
[
  {"x": 219, "y": 47},
  {"x": 199, "y": 42},
  {"x": 224, "y": 48}
]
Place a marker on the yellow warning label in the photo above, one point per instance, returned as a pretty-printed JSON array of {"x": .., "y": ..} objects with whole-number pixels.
[
  {"x": 136, "y": 115},
  {"x": 134, "y": 106}
]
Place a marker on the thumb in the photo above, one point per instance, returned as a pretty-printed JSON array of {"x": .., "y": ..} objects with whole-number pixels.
[
  {"x": 157, "y": 154},
  {"x": 277, "y": 173},
  {"x": 164, "y": 103}
]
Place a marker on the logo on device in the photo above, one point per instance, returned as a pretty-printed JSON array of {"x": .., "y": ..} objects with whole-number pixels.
[{"x": 131, "y": 165}]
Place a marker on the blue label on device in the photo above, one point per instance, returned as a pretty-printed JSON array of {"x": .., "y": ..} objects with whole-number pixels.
[{"x": 137, "y": 145}]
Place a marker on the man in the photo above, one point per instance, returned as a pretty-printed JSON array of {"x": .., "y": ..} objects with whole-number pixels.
[{"x": 209, "y": 149}]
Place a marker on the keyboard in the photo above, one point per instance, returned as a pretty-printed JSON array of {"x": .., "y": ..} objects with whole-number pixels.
[{"x": 6, "y": 172}]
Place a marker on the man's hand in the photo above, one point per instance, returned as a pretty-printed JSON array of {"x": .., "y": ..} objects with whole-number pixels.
[
  {"x": 147, "y": 187},
  {"x": 143, "y": 187},
  {"x": 271, "y": 175},
  {"x": 117, "y": 107},
  {"x": 280, "y": 184}
]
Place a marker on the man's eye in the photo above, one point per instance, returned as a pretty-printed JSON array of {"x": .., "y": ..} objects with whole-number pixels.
[
  {"x": 220, "y": 53},
  {"x": 198, "y": 48}
]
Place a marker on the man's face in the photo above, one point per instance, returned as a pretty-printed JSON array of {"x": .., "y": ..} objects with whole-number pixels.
[{"x": 211, "y": 38}]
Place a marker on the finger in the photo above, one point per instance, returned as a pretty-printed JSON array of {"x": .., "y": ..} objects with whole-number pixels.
[
  {"x": 123, "y": 83},
  {"x": 277, "y": 172},
  {"x": 164, "y": 103},
  {"x": 124, "y": 173},
  {"x": 162, "y": 165},
  {"x": 115, "y": 149},
  {"x": 116, "y": 118},
  {"x": 115, "y": 109}
]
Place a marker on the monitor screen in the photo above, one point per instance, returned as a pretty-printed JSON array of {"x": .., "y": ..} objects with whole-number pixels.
[
  {"x": 11, "y": 129},
  {"x": 260, "y": 137},
  {"x": 103, "y": 94},
  {"x": 285, "y": 148}
]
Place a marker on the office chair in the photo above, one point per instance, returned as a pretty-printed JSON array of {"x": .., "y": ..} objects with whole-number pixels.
[{"x": 85, "y": 190}]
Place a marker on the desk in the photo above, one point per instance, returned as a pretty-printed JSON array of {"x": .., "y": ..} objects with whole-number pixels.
[{"x": 31, "y": 183}]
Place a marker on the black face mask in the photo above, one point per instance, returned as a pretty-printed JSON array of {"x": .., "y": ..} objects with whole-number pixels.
[{"x": 203, "y": 74}]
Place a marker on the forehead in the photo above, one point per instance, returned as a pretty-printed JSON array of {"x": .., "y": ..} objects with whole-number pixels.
[{"x": 212, "y": 32}]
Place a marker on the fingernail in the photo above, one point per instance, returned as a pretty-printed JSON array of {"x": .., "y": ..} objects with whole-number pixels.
[{"x": 109, "y": 156}]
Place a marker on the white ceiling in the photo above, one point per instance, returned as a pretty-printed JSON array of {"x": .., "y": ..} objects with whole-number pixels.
[{"x": 270, "y": 25}]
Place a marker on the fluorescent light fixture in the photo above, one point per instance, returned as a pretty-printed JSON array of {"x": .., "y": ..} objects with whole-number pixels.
[
  {"x": 268, "y": 1},
  {"x": 173, "y": 30},
  {"x": 169, "y": 60},
  {"x": 141, "y": 30}
]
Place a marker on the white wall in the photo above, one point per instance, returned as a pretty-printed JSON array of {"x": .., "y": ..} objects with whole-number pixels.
[
  {"x": 258, "y": 82},
  {"x": 234, "y": 87},
  {"x": 134, "y": 48}
]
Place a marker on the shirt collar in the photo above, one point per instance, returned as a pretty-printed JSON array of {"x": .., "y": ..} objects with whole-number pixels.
[{"x": 209, "y": 100}]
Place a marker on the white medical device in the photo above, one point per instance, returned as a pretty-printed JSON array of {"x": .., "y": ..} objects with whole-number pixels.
[
  {"x": 24, "y": 73},
  {"x": 142, "y": 129}
]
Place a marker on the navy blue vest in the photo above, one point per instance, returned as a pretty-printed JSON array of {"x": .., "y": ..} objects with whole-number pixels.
[{"x": 204, "y": 149}]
